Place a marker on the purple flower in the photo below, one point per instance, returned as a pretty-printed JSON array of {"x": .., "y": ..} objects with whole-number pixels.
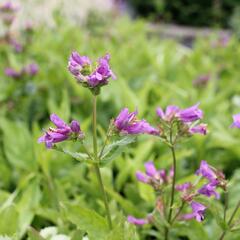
[
  {"x": 183, "y": 187},
  {"x": 77, "y": 64},
  {"x": 209, "y": 190},
  {"x": 150, "y": 169},
  {"x": 8, "y": 7},
  {"x": 141, "y": 177},
  {"x": 61, "y": 133},
  {"x": 102, "y": 73},
  {"x": 198, "y": 210},
  {"x": 7, "y": 11},
  {"x": 127, "y": 123},
  {"x": 31, "y": 69},
  {"x": 201, "y": 129},
  {"x": 16, "y": 45},
  {"x": 169, "y": 113},
  {"x": 190, "y": 114},
  {"x": 236, "y": 121},
  {"x": 10, "y": 72},
  {"x": 83, "y": 70},
  {"x": 137, "y": 221},
  {"x": 153, "y": 176},
  {"x": 206, "y": 171}
]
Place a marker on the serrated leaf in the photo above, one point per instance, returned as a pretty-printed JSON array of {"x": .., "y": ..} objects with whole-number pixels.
[
  {"x": 88, "y": 220},
  {"x": 115, "y": 149}
]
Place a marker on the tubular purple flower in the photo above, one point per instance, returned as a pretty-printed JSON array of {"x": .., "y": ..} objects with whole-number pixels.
[
  {"x": 127, "y": 123},
  {"x": 198, "y": 211},
  {"x": 89, "y": 75},
  {"x": 163, "y": 175},
  {"x": 75, "y": 127},
  {"x": 31, "y": 69},
  {"x": 183, "y": 187},
  {"x": 201, "y": 129},
  {"x": 236, "y": 121},
  {"x": 150, "y": 169},
  {"x": 103, "y": 72},
  {"x": 61, "y": 133},
  {"x": 8, "y": 6},
  {"x": 141, "y": 177},
  {"x": 209, "y": 190},
  {"x": 10, "y": 72},
  {"x": 77, "y": 63},
  {"x": 137, "y": 221},
  {"x": 206, "y": 171},
  {"x": 190, "y": 114},
  {"x": 7, "y": 11},
  {"x": 16, "y": 45},
  {"x": 169, "y": 113}
]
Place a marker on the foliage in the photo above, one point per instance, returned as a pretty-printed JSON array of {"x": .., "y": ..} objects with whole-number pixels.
[
  {"x": 151, "y": 73},
  {"x": 193, "y": 13}
]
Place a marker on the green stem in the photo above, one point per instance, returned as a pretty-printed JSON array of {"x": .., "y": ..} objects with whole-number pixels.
[
  {"x": 96, "y": 165},
  {"x": 230, "y": 220},
  {"x": 177, "y": 214},
  {"x": 173, "y": 185},
  {"x": 225, "y": 205}
]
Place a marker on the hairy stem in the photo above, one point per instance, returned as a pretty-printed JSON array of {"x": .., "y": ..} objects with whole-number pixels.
[
  {"x": 230, "y": 220},
  {"x": 96, "y": 165}
]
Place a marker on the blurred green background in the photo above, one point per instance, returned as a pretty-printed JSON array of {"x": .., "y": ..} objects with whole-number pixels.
[{"x": 151, "y": 71}]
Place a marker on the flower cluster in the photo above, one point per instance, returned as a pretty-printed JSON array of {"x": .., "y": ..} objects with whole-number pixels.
[
  {"x": 29, "y": 70},
  {"x": 189, "y": 192},
  {"x": 61, "y": 133},
  {"x": 236, "y": 121},
  {"x": 127, "y": 123},
  {"x": 87, "y": 74},
  {"x": 185, "y": 121},
  {"x": 215, "y": 179},
  {"x": 154, "y": 177},
  {"x": 7, "y": 12},
  {"x": 158, "y": 179}
]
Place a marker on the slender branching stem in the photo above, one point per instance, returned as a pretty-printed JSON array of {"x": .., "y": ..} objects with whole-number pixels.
[
  {"x": 96, "y": 164},
  {"x": 230, "y": 220},
  {"x": 225, "y": 205},
  {"x": 178, "y": 212},
  {"x": 172, "y": 147}
]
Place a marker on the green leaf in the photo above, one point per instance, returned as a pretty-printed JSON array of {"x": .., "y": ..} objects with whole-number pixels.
[
  {"x": 18, "y": 145},
  {"x": 87, "y": 219},
  {"x": 34, "y": 234},
  {"x": 27, "y": 204},
  {"x": 9, "y": 221},
  {"x": 81, "y": 157},
  {"x": 115, "y": 149}
]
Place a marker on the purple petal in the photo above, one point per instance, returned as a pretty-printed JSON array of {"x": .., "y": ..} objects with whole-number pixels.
[
  {"x": 236, "y": 121},
  {"x": 75, "y": 126},
  {"x": 137, "y": 221},
  {"x": 201, "y": 129},
  {"x": 150, "y": 169},
  {"x": 190, "y": 114},
  {"x": 142, "y": 177},
  {"x": 57, "y": 121}
]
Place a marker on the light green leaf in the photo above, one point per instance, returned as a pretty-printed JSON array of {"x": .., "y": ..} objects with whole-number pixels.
[
  {"x": 115, "y": 149},
  {"x": 18, "y": 145},
  {"x": 9, "y": 221},
  {"x": 88, "y": 220}
]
